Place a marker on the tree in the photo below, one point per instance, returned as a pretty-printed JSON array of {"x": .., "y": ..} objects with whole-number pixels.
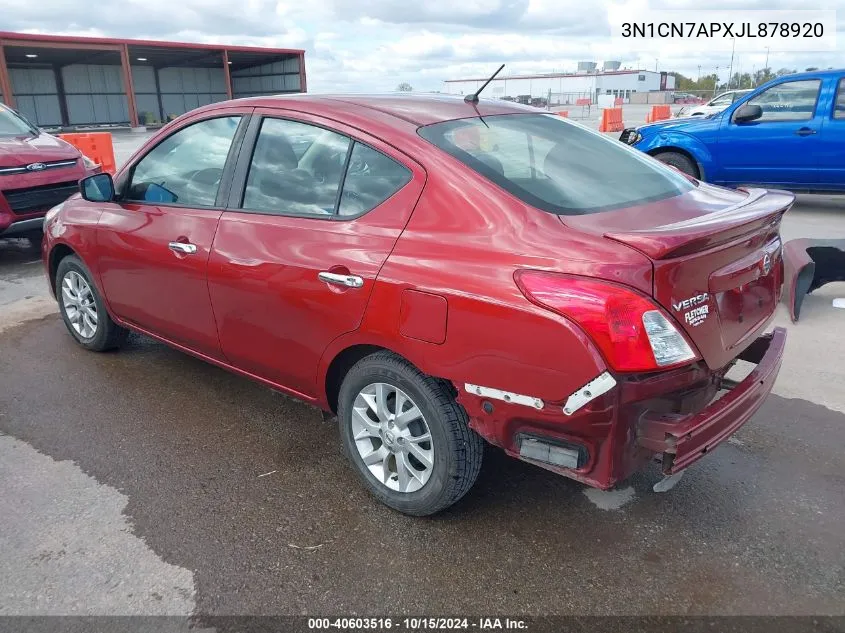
[
  {"x": 785, "y": 71},
  {"x": 762, "y": 76},
  {"x": 686, "y": 84},
  {"x": 404, "y": 87},
  {"x": 811, "y": 69}
]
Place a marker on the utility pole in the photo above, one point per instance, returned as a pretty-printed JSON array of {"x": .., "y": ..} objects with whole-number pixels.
[
  {"x": 655, "y": 64},
  {"x": 716, "y": 81},
  {"x": 767, "y": 58},
  {"x": 731, "y": 71},
  {"x": 699, "y": 74}
]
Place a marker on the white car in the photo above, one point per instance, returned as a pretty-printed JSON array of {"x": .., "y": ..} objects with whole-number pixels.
[{"x": 714, "y": 105}]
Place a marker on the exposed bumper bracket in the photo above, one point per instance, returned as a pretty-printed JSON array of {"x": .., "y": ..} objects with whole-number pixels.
[{"x": 592, "y": 390}]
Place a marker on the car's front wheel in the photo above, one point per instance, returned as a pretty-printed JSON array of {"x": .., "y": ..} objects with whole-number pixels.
[
  {"x": 82, "y": 308},
  {"x": 679, "y": 161},
  {"x": 406, "y": 436}
]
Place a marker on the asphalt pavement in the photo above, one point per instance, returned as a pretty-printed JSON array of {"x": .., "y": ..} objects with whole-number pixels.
[{"x": 148, "y": 482}]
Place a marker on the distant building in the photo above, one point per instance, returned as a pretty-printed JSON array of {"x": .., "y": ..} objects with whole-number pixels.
[
  {"x": 566, "y": 88},
  {"x": 60, "y": 81}
]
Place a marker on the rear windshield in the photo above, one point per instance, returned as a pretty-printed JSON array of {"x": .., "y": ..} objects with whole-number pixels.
[{"x": 555, "y": 165}]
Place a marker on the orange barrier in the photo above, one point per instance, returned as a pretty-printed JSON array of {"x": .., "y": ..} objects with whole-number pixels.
[
  {"x": 617, "y": 101},
  {"x": 564, "y": 114},
  {"x": 583, "y": 102},
  {"x": 95, "y": 145},
  {"x": 611, "y": 120},
  {"x": 659, "y": 113}
]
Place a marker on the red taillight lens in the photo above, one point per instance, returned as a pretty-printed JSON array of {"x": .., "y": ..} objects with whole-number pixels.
[{"x": 631, "y": 332}]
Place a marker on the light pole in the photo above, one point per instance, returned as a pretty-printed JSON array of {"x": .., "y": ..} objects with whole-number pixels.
[
  {"x": 716, "y": 81},
  {"x": 731, "y": 71},
  {"x": 655, "y": 64},
  {"x": 767, "y": 58}
]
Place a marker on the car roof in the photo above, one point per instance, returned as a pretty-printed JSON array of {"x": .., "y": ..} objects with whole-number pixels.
[
  {"x": 811, "y": 74},
  {"x": 418, "y": 109}
]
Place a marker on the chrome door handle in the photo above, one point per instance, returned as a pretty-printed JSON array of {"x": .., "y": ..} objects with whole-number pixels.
[
  {"x": 348, "y": 281},
  {"x": 182, "y": 247}
]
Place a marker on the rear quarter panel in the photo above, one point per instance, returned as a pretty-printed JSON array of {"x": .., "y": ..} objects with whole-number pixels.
[{"x": 464, "y": 242}]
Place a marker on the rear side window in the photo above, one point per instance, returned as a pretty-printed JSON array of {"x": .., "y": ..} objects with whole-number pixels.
[
  {"x": 371, "y": 178},
  {"x": 839, "y": 105},
  {"x": 790, "y": 101},
  {"x": 555, "y": 165},
  {"x": 284, "y": 181},
  {"x": 303, "y": 169}
]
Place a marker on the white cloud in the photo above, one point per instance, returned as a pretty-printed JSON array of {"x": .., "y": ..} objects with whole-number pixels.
[{"x": 373, "y": 45}]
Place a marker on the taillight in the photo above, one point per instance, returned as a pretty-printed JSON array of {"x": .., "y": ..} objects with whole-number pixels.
[{"x": 631, "y": 332}]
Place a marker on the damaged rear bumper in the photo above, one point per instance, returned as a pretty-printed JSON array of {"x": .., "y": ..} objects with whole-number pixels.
[
  {"x": 809, "y": 264},
  {"x": 684, "y": 439}
]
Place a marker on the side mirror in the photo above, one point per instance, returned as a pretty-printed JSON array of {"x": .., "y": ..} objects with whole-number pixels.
[
  {"x": 747, "y": 113},
  {"x": 97, "y": 188}
]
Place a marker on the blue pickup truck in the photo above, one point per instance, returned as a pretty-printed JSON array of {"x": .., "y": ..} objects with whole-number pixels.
[{"x": 788, "y": 133}]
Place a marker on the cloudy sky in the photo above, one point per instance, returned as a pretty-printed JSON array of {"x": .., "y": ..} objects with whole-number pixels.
[{"x": 373, "y": 45}]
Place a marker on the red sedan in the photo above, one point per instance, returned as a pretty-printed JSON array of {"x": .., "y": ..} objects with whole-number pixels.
[
  {"x": 437, "y": 273},
  {"x": 37, "y": 171}
]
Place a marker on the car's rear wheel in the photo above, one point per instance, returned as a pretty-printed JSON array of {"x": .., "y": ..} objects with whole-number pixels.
[
  {"x": 406, "y": 436},
  {"x": 679, "y": 161},
  {"x": 82, "y": 308}
]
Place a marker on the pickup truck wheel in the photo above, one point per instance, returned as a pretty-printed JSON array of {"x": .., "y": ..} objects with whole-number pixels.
[
  {"x": 83, "y": 310},
  {"x": 406, "y": 436},
  {"x": 678, "y": 161}
]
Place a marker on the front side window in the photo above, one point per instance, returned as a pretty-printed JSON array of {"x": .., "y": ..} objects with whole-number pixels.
[
  {"x": 186, "y": 167},
  {"x": 282, "y": 181},
  {"x": 790, "y": 101},
  {"x": 839, "y": 105},
  {"x": 555, "y": 165},
  {"x": 11, "y": 124},
  {"x": 724, "y": 100}
]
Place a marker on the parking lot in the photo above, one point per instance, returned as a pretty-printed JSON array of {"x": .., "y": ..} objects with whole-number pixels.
[{"x": 148, "y": 482}]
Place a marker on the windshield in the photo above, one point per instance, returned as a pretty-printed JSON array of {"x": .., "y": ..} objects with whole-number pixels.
[
  {"x": 13, "y": 125},
  {"x": 555, "y": 165}
]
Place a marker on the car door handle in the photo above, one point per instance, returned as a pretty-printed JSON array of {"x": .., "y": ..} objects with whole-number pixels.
[
  {"x": 805, "y": 131},
  {"x": 182, "y": 247},
  {"x": 348, "y": 281}
]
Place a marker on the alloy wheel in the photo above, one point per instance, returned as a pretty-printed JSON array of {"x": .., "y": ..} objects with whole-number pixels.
[
  {"x": 392, "y": 437},
  {"x": 79, "y": 305}
]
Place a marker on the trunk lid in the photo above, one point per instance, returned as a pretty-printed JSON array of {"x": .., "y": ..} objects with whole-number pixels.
[{"x": 717, "y": 260}]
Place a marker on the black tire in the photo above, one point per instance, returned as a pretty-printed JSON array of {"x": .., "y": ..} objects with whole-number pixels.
[
  {"x": 108, "y": 334},
  {"x": 678, "y": 161},
  {"x": 458, "y": 450}
]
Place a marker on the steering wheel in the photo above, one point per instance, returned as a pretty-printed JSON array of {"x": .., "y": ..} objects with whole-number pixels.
[
  {"x": 202, "y": 185},
  {"x": 209, "y": 177}
]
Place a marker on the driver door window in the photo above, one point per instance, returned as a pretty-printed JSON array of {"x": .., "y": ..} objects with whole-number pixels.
[
  {"x": 186, "y": 167},
  {"x": 790, "y": 101}
]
